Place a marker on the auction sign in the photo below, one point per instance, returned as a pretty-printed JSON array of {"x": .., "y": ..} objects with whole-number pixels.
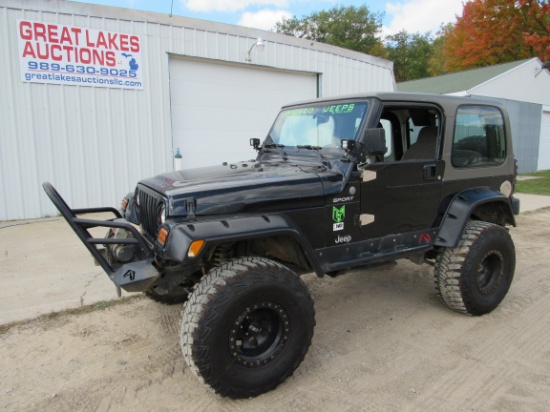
[{"x": 54, "y": 53}]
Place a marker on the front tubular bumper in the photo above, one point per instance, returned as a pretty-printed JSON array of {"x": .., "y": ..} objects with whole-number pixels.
[{"x": 136, "y": 276}]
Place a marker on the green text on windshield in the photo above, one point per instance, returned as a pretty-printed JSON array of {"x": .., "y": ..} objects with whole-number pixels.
[{"x": 318, "y": 125}]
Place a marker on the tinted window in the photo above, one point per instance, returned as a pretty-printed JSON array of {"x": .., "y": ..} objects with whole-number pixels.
[{"x": 479, "y": 137}]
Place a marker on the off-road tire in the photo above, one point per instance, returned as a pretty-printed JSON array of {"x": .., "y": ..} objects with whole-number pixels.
[
  {"x": 475, "y": 276},
  {"x": 247, "y": 326},
  {"x": 179, "y": 295}
]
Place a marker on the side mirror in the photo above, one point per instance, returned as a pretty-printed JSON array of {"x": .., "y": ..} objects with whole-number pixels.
[
  {"x": 255, "y": 143},
  {"x": 375, "y": 142}
]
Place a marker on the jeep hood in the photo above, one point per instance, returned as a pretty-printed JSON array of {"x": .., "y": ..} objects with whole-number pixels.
[{"x": 246, "y": 187}]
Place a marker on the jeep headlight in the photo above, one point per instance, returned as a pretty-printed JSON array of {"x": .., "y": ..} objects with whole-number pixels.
[{"x": 162, "y": 214}]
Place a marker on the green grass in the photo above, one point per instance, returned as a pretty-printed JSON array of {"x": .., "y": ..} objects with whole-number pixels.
[{"x": 539, "y": 186}]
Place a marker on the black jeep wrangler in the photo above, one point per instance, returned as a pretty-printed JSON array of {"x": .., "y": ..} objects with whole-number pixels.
[{"x": 357, "y": 181}]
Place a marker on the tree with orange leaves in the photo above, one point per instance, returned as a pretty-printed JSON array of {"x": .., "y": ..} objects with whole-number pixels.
[{"x": 498, "y": 31}]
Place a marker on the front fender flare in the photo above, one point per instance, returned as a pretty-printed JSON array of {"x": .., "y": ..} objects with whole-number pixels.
[
  {"x": 233, "y": 229},
  {"x": 460, "y": 210}
]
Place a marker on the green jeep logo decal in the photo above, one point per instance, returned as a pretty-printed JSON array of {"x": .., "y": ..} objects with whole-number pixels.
[{"x": 338, "y": 215}]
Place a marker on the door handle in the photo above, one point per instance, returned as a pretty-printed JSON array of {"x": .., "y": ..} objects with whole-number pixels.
[{"x": 430, "y": 171}]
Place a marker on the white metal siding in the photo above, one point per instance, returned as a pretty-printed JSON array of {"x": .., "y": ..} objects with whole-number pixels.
[
  {"x": 524, "y": 84},
  {"x": 544, "y": 150},
  {"x": 94, "y": 144},
  {"x": 217, "y": 107},
  {"x": 525, "y": 120}
]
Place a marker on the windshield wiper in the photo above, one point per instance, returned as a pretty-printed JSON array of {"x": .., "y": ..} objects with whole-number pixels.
[
  {"x": 317, "y": 151},
  {"x": 279, "y": 148}
]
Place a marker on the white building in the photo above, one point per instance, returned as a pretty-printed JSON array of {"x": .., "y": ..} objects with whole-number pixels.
[{"x": 95, "y": 98}]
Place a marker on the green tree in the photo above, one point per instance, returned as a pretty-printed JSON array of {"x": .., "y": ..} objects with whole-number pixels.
[
  {"x": 436, "y": 62},
  {"x": 410, "y": 54},
  {"x": 354, "y": 28}
]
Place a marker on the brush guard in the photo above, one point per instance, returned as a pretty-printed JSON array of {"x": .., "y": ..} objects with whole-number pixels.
[{"x": 135, "y": 276}]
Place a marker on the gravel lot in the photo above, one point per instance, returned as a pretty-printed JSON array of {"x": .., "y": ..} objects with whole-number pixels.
[{"x": 382, "y": 342}]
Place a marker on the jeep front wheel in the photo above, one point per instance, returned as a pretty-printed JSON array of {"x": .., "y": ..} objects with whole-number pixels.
[
  {"x": 247, "y": 326},
  {"x": 475, "y": 276}
]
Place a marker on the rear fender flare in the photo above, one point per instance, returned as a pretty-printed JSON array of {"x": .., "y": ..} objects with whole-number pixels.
[{"x": 463, "y": 205}]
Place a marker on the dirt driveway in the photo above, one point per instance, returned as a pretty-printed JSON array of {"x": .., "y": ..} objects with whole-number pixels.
[{"x": 382, "y": 342}]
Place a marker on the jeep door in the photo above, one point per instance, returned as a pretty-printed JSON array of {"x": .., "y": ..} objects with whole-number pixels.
[{"x": 402, "y": 192}]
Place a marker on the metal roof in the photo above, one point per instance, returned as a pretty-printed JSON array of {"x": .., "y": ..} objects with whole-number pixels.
[{"x": 458, "y": 82}]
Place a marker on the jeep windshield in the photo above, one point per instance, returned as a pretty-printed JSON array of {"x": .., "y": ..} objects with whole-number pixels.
[{"x": 316, "y": 126}]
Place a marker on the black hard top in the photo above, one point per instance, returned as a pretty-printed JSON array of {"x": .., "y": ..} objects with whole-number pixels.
[{"x": 443, "y": 100}]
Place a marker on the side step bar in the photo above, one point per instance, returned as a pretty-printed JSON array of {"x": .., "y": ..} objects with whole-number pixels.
[{"x": 135, "y": 276}]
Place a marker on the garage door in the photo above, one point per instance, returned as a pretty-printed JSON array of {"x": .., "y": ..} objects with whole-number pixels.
[
  {"x": 218, "y": 107},
  {"x": 544, "y": 148}
]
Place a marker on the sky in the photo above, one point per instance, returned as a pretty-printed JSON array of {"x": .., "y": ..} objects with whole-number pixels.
[{"x": 410, "y": 15}]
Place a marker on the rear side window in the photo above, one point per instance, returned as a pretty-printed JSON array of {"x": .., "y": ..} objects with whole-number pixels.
[{"x": 479, "y": 138}]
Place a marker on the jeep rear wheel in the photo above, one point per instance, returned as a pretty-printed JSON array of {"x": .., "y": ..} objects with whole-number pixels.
[
  {"x": 247, "y": 326},
  {"x": 475, "y": 276}
]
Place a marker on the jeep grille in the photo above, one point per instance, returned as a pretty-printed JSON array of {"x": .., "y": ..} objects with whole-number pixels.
[{"x": 150, "y": 208}]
